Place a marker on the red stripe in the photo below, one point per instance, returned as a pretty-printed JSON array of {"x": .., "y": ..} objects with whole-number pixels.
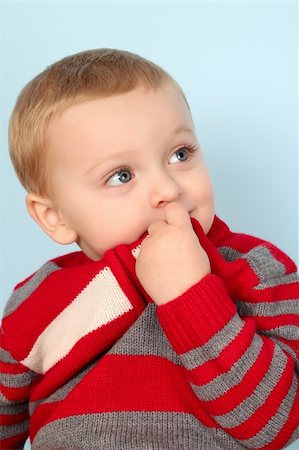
[
  {"x": 268, "y": 323},
  {"x": 13, "y": 419},
  {"x": 274, "y": 294},
  {"x": 293, "y": 345},
  {"x": 91, "y": 346},
  {"x": 15, "y": 394},
  {"x": 287, "y": 430},
  {"x": 73, "y": 259},
  {"x": 193, "y": 318},
  {"x": 13, "y": 368},
  {"x": 228, "y": 357},
  {"x": 55, "y": 293},
  {"x": 237, "y": 394},
  {"x": 241, "y": 242},
  {"x": 127, "y": 383},
  {"x": 14, "y": 441},
  {"x": 268, "y": 409}
]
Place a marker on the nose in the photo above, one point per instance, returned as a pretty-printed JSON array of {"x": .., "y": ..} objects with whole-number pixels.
[{"x": 163, "y": 189}]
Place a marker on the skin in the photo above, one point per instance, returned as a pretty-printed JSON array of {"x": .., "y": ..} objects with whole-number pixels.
[{"x": 125, "y": 165}]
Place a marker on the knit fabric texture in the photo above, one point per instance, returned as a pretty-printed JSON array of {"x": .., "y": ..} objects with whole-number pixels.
[{"x": 88, "y": 361}]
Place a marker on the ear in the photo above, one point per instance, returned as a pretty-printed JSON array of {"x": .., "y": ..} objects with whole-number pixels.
[{"x": 43, "y": 211}]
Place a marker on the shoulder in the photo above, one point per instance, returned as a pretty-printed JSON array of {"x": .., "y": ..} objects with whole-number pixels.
[
  {"x": 69, "y": 260},
  {"x": 262, "y": 255},
  {"x": 30, "y": 284},
  {"x": 255, "y": 249}
]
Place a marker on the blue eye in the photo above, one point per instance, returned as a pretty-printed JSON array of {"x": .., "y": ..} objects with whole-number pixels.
[
  {"x": 122, "y": 176},
  {"x": 180, "y": 155}
]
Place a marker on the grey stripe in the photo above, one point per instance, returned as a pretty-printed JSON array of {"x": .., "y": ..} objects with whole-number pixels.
[
  {"x": 275, "y": 424},
  {"x": 13, "y": 408},
  {"x": 289, "y": 332},
  {"x": 7, "y": 431},
  {"x": 214, "y": 346},
  {"x": 146, "y": 337},
  {"x": 259, "y": 258},
  {"x": 6, "y": 357},
  {"x": 21, "y": 294},
  {"x": 224, "y": 382},
  {"x": 62, "y": 392},
  {"x": 230, "y": 254},
  {"x": 268, "y": 309},
  {"x": 132, "y": 431},
  {"x": 269, "y": 270},
  {"x": 246, "y": 408},
  {"x": 17, "y": 380},
  {"x": 276, "y": 280},
  {"x": 288, "y": 350}
]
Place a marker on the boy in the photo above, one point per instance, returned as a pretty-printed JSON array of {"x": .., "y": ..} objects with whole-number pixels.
[{"x": 167, "y": 331}]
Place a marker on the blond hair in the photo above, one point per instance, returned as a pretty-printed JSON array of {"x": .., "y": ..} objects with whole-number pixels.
[{"x": 88, "y": 74}]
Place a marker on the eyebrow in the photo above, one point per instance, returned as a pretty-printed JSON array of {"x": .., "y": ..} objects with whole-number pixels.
[
  {"x": 181, "y": 128},
  {"x": 177, "y": 130}
]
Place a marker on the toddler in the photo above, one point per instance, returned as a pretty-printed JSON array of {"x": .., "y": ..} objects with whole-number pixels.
[{"x": 166, "y": 330}]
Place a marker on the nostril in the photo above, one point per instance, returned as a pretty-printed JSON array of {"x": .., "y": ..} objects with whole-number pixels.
[{"x": 162, "y": 204}]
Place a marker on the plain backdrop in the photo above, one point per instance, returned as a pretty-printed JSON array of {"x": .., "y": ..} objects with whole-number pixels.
[{"x": 238, "y": 65}]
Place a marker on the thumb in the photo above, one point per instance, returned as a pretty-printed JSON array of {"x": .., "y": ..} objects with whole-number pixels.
[{"x": 177, "y": 214}]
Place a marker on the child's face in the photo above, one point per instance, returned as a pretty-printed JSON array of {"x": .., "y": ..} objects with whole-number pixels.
[{"x": 117, "y": 161}]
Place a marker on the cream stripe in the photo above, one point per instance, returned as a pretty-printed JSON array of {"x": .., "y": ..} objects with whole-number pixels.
[
  {"x": 99, "y": 303},
  {"x": 135, "y": 252}
]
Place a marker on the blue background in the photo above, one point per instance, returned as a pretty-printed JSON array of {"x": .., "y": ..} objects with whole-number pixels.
[{"x": 238, "y": 65}]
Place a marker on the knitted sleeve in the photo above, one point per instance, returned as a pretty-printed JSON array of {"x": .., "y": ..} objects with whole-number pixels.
[
  {"x": 237, "y": 334},
  {"x": 15, "y": 378},
  {"x": 15, "y": 381}
]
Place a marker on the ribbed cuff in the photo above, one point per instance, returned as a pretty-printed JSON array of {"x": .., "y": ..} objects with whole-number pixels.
[{"x": 191, "y": 319}]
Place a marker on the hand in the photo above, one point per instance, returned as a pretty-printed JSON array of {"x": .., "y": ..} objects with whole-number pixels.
[{"x": 171, "y": 259}]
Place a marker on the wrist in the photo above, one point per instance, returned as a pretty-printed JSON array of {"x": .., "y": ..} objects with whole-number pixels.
[
  {"x": 173, "y": 292},
  {"x": 193, "y": 318}
]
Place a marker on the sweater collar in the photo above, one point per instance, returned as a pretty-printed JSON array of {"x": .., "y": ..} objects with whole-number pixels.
[
  {"x": 217, "y": 235},
  {"x": 218, "y": 232}
]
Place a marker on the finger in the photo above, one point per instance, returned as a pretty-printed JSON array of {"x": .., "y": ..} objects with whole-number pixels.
[
  {"x": 155, "y": 226},
  {"x": 177, "y": 214}
]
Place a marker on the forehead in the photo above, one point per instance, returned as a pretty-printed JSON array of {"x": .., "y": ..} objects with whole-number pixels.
[{"x": 127, "y": 119}]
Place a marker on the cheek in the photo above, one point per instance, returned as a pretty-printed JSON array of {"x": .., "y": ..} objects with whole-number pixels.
[
  {"x": 207, "y": 184},
  {"x": 210, "y": 192},
  {"x": 122, "y": 223},
  {"x": 202, "y": 187}
]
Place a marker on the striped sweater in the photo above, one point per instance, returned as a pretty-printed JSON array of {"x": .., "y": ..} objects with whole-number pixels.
[{"x": 88, "y": 361}]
